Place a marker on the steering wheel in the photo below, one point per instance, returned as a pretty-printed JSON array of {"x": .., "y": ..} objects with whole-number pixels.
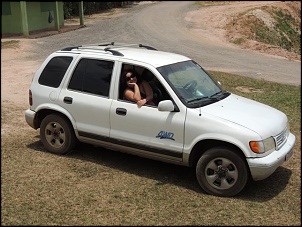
[{"x": 191, "y": 85}]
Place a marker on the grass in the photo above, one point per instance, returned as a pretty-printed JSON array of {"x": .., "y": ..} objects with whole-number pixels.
[
  {"x": 95, "y": 186},
  {"x": 285, "y": 34},
  {"x": 10, "y": 44}
]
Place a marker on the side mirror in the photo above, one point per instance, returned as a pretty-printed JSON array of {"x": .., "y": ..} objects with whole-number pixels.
[{"x": 166, "y": 105}]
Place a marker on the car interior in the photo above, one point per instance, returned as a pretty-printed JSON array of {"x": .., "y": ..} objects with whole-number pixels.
[{"x": 159, "y": 92}]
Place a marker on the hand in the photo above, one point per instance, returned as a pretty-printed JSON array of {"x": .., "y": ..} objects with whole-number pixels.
[
  {"x": 141, "y": 102},
  {"x": 132, "y": 85}
]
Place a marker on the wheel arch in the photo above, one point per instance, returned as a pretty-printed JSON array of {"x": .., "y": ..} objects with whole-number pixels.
[
  {"x": 204, "y": 145},
  {"x": 42, "y": 113}
]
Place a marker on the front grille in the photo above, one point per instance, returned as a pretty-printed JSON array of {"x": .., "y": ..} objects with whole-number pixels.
[{"x": 281, "y": 138}]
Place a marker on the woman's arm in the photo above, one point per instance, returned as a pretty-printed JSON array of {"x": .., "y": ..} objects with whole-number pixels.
[
  {"x": 133, "y": 95},
  {"x": 147, "y": 90}
]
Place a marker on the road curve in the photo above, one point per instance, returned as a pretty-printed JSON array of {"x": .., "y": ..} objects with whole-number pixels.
[{"x": 163, "y": 26}]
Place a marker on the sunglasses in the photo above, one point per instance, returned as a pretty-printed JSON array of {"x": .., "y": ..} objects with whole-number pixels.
[{"x": 128, "y": 78}]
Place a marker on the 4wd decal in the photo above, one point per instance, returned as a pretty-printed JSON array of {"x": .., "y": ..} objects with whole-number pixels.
[{"x": 165, "y": 135}]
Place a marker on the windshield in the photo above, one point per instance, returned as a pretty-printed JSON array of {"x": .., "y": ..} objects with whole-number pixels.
[{"x": 193, "y": 85}]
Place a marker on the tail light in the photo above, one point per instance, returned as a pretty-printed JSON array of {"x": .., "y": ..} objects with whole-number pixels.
[{"x": 30, "y": 98}]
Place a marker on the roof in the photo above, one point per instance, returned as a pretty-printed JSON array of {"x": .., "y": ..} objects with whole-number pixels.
[{"x": 136, "y": 52}]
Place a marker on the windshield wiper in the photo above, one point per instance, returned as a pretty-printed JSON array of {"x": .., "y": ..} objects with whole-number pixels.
[
  {"x": 222, "y": 92},
  {"x": 210, "y": 98},
  {"x": 198, "y": 99},
  {"x": 217, "y": 93}
]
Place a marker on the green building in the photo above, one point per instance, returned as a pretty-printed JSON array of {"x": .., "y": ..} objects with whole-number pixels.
[{"x": 22, "y": 17}]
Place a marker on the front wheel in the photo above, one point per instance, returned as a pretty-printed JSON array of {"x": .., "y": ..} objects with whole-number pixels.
[
  {"x": 221, "y": 172},
  {"x": 57, "y": 134}
]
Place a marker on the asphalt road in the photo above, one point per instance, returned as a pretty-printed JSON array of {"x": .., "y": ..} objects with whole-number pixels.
[{"x": 163, "y": 26}]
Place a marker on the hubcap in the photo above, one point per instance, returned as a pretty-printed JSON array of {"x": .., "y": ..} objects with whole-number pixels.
[
  {"x": 221, "y": 173},
  {"x": 55, "y": 134}
]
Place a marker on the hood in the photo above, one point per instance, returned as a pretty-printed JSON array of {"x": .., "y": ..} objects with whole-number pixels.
[{"x": 261, "y": 118}]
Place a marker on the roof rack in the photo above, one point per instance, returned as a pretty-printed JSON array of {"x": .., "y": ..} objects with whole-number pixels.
[
  {"x": 129, "y": 45},
  {"x": 112, "y": 45},
  {"x": 70, "y": 48},
  {"x": 114, "y": 52},
  {"x": 147, "y": 47},
  {"x": 88, "y": 45}
]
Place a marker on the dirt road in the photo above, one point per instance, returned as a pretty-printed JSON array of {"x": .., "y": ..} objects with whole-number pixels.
[
  {"x": 198, "y": 33},
  {"x": 170, "y": 26}
]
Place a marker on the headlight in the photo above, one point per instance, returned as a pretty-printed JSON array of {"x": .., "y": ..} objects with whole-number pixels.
[{"x": 263, "y": 146}]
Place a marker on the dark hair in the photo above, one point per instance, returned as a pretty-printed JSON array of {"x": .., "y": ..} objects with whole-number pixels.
[{"x": 139, "y": 79}]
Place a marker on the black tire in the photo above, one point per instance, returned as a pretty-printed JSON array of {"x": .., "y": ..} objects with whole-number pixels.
[
  {"x": 57, "y": 134},
  {"x": 221, "y": 172}
]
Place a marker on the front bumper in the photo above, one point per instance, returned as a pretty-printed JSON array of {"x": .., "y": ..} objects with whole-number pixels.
[{"x": 262, "y": 168}]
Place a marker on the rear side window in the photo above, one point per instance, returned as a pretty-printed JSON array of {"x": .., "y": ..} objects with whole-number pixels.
[
  {"x": 92, "y": 76},
  {"x": 54, "y": 71}
]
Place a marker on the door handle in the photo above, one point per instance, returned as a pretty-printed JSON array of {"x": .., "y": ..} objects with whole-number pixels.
[
  {"x": 67, "y": 100},
  {"x": 121, "y": 111}
]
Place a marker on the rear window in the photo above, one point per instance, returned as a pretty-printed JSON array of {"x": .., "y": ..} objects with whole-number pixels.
[
  {"x": 54, "y": 71},
  {"x": 92, "y": 76}
]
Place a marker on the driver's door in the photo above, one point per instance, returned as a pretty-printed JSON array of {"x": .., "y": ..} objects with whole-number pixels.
[{"x": 146, "y": 130}]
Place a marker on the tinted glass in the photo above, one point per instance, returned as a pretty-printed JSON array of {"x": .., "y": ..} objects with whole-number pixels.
[
  {"x": 92, "y": 76},
  {"x": 54, "y": 71}
]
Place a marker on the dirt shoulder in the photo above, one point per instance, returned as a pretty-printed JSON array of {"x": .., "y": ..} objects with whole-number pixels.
[{"x": 226, "y": 21}]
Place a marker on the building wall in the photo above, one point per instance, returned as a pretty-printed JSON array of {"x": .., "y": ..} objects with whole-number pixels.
[
  {"x": 39, "y": 13},
  {"x": 37, "y": 16},
  {"x": 11, "y": 18}
]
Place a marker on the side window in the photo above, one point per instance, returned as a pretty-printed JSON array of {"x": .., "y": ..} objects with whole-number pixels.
[
  {"x": 159, "y": 92},
  {"x": 54, "y": 71},
  {"x": 92, "y": 76}
]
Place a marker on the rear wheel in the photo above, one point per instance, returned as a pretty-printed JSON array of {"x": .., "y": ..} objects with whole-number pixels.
[
  {"x": 57, "y": 134},
  {"x": 221, "y": 172}
]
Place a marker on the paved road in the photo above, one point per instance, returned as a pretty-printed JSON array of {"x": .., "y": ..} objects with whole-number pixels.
[{"x": 162, "y": 25}]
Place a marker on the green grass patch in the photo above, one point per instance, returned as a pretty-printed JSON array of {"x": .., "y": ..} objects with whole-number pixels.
[
  {"x": 95, "y": 186},
  {"x": 285, "y": 33}
]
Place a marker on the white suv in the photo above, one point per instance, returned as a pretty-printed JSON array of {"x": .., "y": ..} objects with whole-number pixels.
[{"x": 77, "y": 95}]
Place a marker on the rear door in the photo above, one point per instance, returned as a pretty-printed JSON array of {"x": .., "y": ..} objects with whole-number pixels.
[{"x": 86, "y": 97}]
